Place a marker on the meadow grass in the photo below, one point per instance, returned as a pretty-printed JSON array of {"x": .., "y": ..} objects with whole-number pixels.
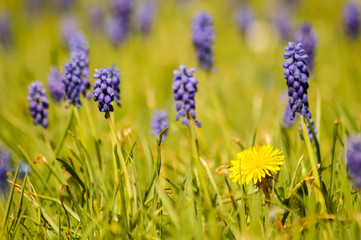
[{"x": 93, "y": 178}]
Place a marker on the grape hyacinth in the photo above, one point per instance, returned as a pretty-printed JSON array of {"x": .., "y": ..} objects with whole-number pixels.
[
  {"x": 159, "y": 122},
  {"x": 145, "y": 16},
  {"x": 351, "y": 18},
  {"x": 296, "y": 75},
  {"x": 244, "y": 19},
  {"x": 354, "y": 159},
  {"x": 203, "y": 36},
  {"x": 55, "y": 84},
  {"x": 184, "y": 90},
  {"x": 4, "y": 163},
  {"x": 308, "y": 39},
  {"x": 107, "y": 89},
  {"x": 39, "y": 104},
  {"x": 119, "y": 24},
  {"x": 75, "y": 78}
]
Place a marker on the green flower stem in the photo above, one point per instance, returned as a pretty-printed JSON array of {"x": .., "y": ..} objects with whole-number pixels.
[
  {"x": 122, "y": 161},
  {"x": 195, "y": 150},
  {"x": 82, "y": 141},
  {"x": 80, "y": 129},
  {"x": 58, "y": 148},
  {"x": 91, "y": 122},
  {"x": 313, "y": 164}
]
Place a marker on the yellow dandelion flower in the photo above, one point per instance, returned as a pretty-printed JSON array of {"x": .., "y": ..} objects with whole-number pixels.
[{"x": 255, "y": 163}]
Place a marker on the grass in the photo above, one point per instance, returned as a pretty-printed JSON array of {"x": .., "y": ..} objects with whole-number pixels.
[{"x": 94, "y": 179}]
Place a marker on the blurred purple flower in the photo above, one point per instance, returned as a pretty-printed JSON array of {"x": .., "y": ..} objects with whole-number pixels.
[
  {"x": 203, "y": 36},
  {"x": 5, "y": 158},
  {"x": 145, "y": 16},
  {"x": 65, "y": 5},
  {"x": 354, "y": 159},
  {"x": 244, "y": 19},
  {"x": 159, "y": 122},
  {"x": 5, "y": 30},
  {"x": 118, "y": 26},
  {"x": 351, "y": 18},
  {"x": 55, "y": 84},
  {"x": 308, "y": 39},
  {"x": 78, "y": 42},
  {"x": 287, "y": 121},
  {"x": 283, "y": 23},
  {"x": 68, "y": 27},
  {"x": 96, "y": 17}
]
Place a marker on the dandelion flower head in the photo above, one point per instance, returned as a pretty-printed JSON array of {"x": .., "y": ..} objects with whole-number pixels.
[{"x": 256, "y": 163}]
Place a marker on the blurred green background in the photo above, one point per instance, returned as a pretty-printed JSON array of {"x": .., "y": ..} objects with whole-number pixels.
[{"x": 243, "y": 97}]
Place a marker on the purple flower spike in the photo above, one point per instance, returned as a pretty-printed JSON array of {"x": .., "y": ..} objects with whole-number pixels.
[
  {"x": 159, "y": 122},
  {"x": 296, "y": 75},
  {"x": 184, "y": 90},
  {"x": 351, "y": 19},
  {"x": 75, "y": 78},
  {"x": 354, "y": 159},
  {"x": 203, "y": 36},
  {"x": 5, "y": 158},
  {"x": 55, "y": 84},
  {"x": 308, "y": 39},
  {"x": 106, "y": 89},
  {"x": 39, "y": 104}
]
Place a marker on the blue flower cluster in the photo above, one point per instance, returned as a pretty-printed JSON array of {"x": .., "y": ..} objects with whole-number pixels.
[
  {"x": 308, "y": 39},
  {"x": 106, "y": 89},
  {"x": 184, "y": 90},
  {"x": 75, "y": 78},
  {"x": 55, "y": 84},
  {"x": 203, "y": 36},
  {"x": 4, "y": 163},
  {"x": 39, "y": 104},
  {"x": 354, "y": 159},
  {"x": 119, "y": 24},
  {"x": 296, "y": 75},
  {"x": 159, "y": 122},
  {"x": 351, "y": 18}
]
